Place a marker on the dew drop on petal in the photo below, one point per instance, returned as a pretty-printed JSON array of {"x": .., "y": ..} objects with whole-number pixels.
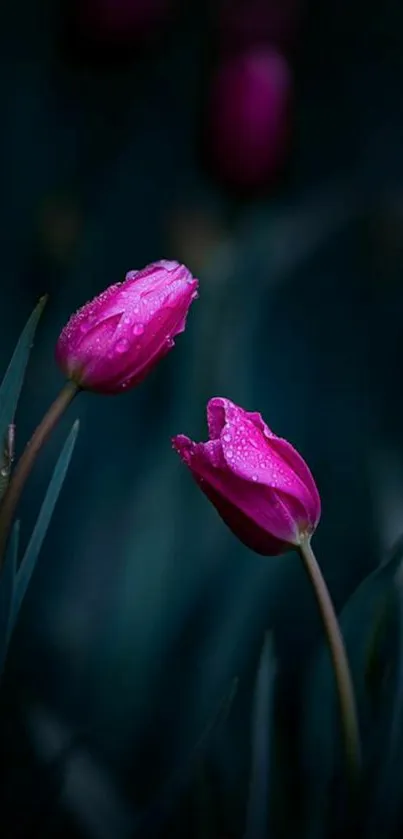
[
  {"x": 227, "y": 437},
  {"x": 230, "y": 453},
  {"x": 254, "y": 477},
  {"x": 138, "y": 329},
  {"x": 122, "y": 346}
]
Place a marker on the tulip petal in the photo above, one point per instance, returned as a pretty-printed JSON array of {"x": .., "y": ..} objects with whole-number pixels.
[
  {"x": 295, "y": 462},
  {"x": 215, "y": 416},
  {"x": 256, "y": 538},
  {"x": 91, "y": 348},
  {"x": 253, "y": 452},
  {"x": 260, "y": 506}
]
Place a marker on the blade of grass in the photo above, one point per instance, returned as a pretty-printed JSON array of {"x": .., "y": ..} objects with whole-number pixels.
[
  {"x": 258, "y": 803},
  {"x": 30, "y": 557},
  {"x": 7, "y": 588},
  {"x": 11, "y": 385}
]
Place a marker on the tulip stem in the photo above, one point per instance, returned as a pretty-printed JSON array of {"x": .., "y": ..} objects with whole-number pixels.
[
  {"x": 344, "y": 685},
  {"x": 24, "y": 466}
]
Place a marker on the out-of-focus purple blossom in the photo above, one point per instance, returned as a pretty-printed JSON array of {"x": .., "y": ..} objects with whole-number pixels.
[
  {"x": 122, "y": 20},
  {"x": 245, "y": 24},
  {"x": 249, "y": 118},
  {"x": 114, "y": 341}
]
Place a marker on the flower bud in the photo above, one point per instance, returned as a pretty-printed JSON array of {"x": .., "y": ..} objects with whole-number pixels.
[
  {"x": 113, "y": 341},
  {"x": 259, "y": 484},
  {"x": 249, "y": 118}
]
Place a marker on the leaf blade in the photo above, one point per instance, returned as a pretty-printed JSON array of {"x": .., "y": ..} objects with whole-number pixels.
[
  {"x": 258, "y": 802},
  {"x": 28, "y": 563},
  {"x": 7, "y": 589},
  {"x": 11, "y": 385}
]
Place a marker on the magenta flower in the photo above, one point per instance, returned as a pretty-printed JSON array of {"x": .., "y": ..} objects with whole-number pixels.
[
  {"x": 249, "y": 125},
  {"x": 250, "y": 23},
  {"x": 123, "y": 20},
  {"x": 114, "y": 341},
  {"x": 259, "y": 484}
]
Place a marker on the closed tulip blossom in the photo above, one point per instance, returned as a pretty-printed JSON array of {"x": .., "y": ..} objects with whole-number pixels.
[
  {"x": 114, "y": 341},
  {"x": 259, "y": 484},
  {"x": 249, "y": 125}
]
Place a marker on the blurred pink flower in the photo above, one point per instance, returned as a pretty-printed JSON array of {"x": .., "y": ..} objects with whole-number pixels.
[
  {"x": 123, "y": 19},
  {"x": 249, "y": 120},
  {"x": 245, "y": 24},
  {"x": 259, "y": 484},
  {"x": 114, "y": 341}
]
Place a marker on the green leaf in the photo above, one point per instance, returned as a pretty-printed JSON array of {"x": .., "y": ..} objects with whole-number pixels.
[
  {"x": 7, "y": 587},
  {"x": 258, "y": 803},
  {"x": 28, "y": 563},
  {"x": 361, "y": 623},
  {"x": 11, "y": 385}
]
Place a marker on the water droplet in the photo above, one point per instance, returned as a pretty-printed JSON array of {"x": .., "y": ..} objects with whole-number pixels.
[
  {"x": 168, "y": 264},
  {"x": 138, "y": 329},
  {"x": 230, "y": 453},
  {"x": 136, "y": 310},
  {"x": 254, "y": 477},
  {"x": 122, "y": 346},
  {"x": 227, "y": 437}
]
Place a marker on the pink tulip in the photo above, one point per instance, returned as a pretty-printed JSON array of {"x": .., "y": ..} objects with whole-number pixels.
[
  {"x": 114, "y": 341},
  {"x": 259, "y": 484},
  {"x": 249, "y": 126}
]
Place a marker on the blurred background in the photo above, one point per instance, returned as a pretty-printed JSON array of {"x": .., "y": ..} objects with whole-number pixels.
[{"x": 259, "y": 142}]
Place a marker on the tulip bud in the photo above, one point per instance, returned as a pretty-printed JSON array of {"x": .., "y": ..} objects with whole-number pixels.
[
  {"x": 113, "y": 341},
  {"x": 249, "y": 118},
  {"x": 260, "y": 486}
]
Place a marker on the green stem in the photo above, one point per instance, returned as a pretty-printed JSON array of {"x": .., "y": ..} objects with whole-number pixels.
[
  {"x": 344, "y": 685},
  {"x": 22, "y": 471}
]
